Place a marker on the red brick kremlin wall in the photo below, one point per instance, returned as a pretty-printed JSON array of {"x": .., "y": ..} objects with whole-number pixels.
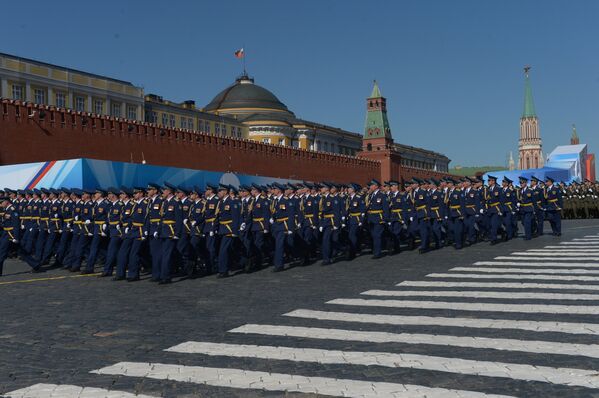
[{"x": 65, "y": 134}]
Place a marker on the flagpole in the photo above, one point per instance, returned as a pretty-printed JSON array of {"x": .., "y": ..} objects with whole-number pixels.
[{"x": 243, "y": 58}]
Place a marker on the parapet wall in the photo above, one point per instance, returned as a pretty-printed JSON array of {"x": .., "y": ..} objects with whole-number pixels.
[{"x": 32, "y": 133}]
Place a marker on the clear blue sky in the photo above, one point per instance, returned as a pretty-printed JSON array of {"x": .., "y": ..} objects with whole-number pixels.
[{"x": 451, "y": 70}]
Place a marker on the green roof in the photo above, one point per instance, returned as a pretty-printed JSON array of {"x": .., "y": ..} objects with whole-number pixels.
[
  {"x": 529, "y": 105},
  {"x": 376, "y": 93}
]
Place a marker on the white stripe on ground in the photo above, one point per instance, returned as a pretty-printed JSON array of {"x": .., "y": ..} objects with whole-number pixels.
[
  {"x": 500, "y": 285},
  {"x": 484, "y": 307},
  {"x": 578, "y": 271},
  {"x": 557, "y": 253},
  {"x": 248, "y": 379},
  {"x": 481, "y": 294},
  {"x": 592, "y": 238},
  {"x": 565, "y": 376},
  {"x": 560, "y": 264},
  {"x": 533, "y": 346},
  {"x": 568, "y": 249},
  {"x": 586, "y": 244},
  {"x": 515, "y": 258},
  {"x": 69, "y": 391},
  {"x": 478, "y": 323},
  {"x": 516, "y": 276}
]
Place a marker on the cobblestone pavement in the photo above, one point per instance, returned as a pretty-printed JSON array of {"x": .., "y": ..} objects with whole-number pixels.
[{"x": 516, "y": 319}]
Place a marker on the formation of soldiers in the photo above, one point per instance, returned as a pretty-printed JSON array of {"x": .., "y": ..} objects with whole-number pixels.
[
  {"x": 175, "y": 230},
  {"x": 581, "y": 200}
]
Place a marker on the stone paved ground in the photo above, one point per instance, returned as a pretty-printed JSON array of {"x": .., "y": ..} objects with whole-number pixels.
[{"x": 56, "y": 329}]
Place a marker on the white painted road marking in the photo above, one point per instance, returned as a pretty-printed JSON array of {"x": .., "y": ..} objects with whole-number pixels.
[
  {"x": 534, "y": 346},
  {"x": 554, "y": 254},
  {"x": 478, "y": 323},
  {"x": 481, "y": 294},
  {"x": 563, "y": 262},
  {"x": 460, "y": 306},
  {"x": 587, "y": 244},
  {"x": 516, "y": 276},
  {"x": 570, "y": 249},
  {"x": 500, "y": 285},
  {"x": 578, "y": 271},
  {"x": 69, "y": 391},
  {"x": 565, "y": 376},
  {"x": 247, "y": 379}
]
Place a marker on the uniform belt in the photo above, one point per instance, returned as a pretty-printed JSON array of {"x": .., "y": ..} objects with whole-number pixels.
[
  {"x": 282, "y": 219},
  {"x": 525, "y": 204},
  {"x": 211, "y": 219},
  {"x": 396, "y": 210},
  {"x": 539, "y": 201},
  {"x": 308, "y": 215},
  {"x": 55, "y": 219},
  {"x": 67, "y": 220},
  {"x": 375, "y": 212},
  {"x": 25, "y": 218},
  {"x": 552, "y": 200},
  {"x": 455, "y": 207},
  {"x": 329, "y": 216},
  {"x": 35, "y": 218},
  {"x": 494, "y": 204},
  {"x": 226, "y": 222},
  {"x": 99, "y": 222},
  {"x": 154, "y": 220},
  {"x": 114, "y": 222},
  {"x": 470, "y": 206},
  {"x": 44, "y": 218},
  {"x": 168, "y": 222},
  {"x": 421, "y": 207},
  {"x": 78, "y": 222},
  {"x": 435, "y": 208},
  {"x": 258, "y": 219},
  {"x": 8, "y": 228},
  {"x": 355, "y": 214},
  {"x": 138, "y": 224}
]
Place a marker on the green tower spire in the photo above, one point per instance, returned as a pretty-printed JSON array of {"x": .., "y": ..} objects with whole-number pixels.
[
  {"x": 529, "y": 106},
  {"x": 377, "y": 125}
]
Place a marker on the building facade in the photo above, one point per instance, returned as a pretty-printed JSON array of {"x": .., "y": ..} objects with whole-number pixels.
[
  {"x": 187, "y": 116},
  {"x": 530, "y": 145},
  {"x": 42, "y": 83}
]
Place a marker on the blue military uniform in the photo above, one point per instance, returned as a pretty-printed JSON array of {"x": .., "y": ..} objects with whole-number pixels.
[
  {"x": 228, "y": 221},
  {"x": 438, "y": 214},
  {"x": 260, "y": 226},
  {"x": 171, "y": 224},
  {"x": 100, "y": 211},
  {"x": 9, "y": 232},
  {"x": 508, "y": 208},
  {"x": 356, "y": 212},
  {"x": 127, "y": 238},
  {"x": 421, "y": 201},
  {"x": 397, "y": 217},
  {"x": 330, "y": 223},
  {"x": 526, "y": 202},
  {"x": 114, "y": 232},
  {"x": 456, "y": 209},
  {"x": 493, "y": 198},
  {"x": 539, "y": 206},
  {"x": 553, "y": 207},
  {"x": 137, "y": 234},
  {"x": 210, "y": 229},
  {"x": 281, "y": 224},
  {"x": 196, "y": 222},
  {"x": 377, "y": 214},
  {"x": 153, "y": 220},
  {"x": 66, "y": 237}
]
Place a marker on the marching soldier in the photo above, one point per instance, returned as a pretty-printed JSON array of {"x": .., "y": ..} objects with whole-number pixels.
[
  {"x": 356, "y": 211},
  {"x": 138, "y": 233},
  {"x": 539, "y": 199},
  {"x": 196, "y": 221},
  {"x": 493, "y": 198},
  {"x": 259, "y": 228},
  {"x": 282, "y": 215},
  {"x": 377, "y": 214},
  {"x": 210, "y": 228},
  {"x": 456, "y": 210},
  {"x": 154, "y": 216},
  {"x": 526, "y": 206},
  {"x": 99, "y": 227},
  {"x": 421, "y": 200},
  {"x": 114, "y": 231},
  {"x": 554, "y": 200},
  {"x": 228, "y": 220},
  {"x": 330, "y": 223},
  {"x": 171, "y": 223},
  {"x": 126, "y": 215},
  {"x": 11, "y": 228},
  {"x": 396, "y": 220},
  {"x": 508, "y": 207}
]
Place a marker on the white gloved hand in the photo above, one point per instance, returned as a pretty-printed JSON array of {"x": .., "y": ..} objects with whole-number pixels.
[
  {"x": 518, "y": 204},
  {"x": 193, "y": 223},
  {"x": 446, "y": 217},
  {"x": 30, "y": 229},
  {"x": 342, "y": 225},
  {"x": 175, "y": 237},
  {"x": 118, "y": 227},
  {"x": 60, "y": 231},
  {"x": 15, "y": 241},
  {"x": 211, "y": 233},
  {"x": 185, "y": 221},
  {"x": 155, "y": 235},
  {"x": 22, "y": 227},
  {"x": 145, "y": 233},
  {"x": 335, "y": 228},
  {"x": 482, "y": 211},
  {"x": 55, "y": 215},
  {"x": 103, "y": 227},
  {"x": 389, "y": 223},
  {"x": 87, "y": 222},
  {"x": 242, "y": 227},
  {"x": 76, "y": 218},
  {"x": 126, "y": 230},
  {"x": 359, "y": 224},
  {"x": 343, "y": 218},
  {"x": 68, "y": 225},
  {"x": 411, "y": 218},
  {"x": 271, "y": 221},
  {"x": 265, "y": 231},
  {"x": 289, "y": 232},
  {"x": 320, "y": 229}
]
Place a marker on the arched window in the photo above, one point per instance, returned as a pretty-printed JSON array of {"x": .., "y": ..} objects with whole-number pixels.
[{"x": 528, "y": 161}]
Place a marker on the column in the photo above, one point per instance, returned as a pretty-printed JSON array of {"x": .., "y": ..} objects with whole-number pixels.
[
  {"x": 123, "y": 109},
  {"x": 108, "y": 105},
  {"x": 90, "y": 105},
  {"x": 28, "y": 92},
  {"x": 138, "y": 111},
  {"x": 4, "y": 89},
  {"x": 51, "y": 100}
]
